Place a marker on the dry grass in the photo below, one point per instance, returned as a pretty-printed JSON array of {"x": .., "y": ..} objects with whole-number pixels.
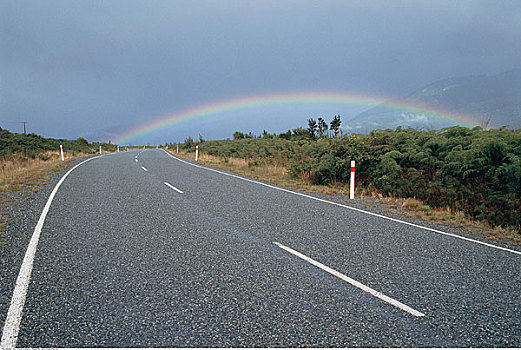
[
  {"x": 409, "y": 207},
  {"x": 21, "y": 173},
  {"x": 412, "y": 203},
  {"x": 265, "y": 171},
  {"x": 246, "y": 167},
  {"x": 28, "y": 173},
  {"x": 415, "y": 208},
  {"x": 504, "y": 234},
  {"x": 3, "y": 223}
]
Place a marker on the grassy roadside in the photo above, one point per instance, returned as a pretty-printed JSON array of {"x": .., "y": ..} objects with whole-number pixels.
[
  {"x": 19, "y": 174},
  {"x": 408, "y": 207},
  {"x": 3, "y": 223}
]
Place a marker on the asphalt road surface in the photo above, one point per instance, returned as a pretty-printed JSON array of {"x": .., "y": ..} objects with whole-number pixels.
[{"x": 139, "y": 249}]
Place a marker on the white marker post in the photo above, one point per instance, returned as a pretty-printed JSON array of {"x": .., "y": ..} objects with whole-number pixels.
[
  {"x": 196, "y": 152},
  {"x": 352, "y": 182},
  {"x": 99, "y": 149},
  {"x": 177, "y": 148},
  {"x": 118, "y": 149},
  {"x": 61, "y": 152}
]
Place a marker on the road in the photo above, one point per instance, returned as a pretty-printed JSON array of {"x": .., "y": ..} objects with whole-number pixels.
[{"x": 139, "y": 249}]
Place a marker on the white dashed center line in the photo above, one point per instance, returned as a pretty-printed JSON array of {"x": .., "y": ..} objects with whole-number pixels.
[
  {"x": 174, "y": 188},
  {"x": 145, "y": 169},
  {"x": 348, "y": 207},
  {"x": 352, "y": 282}
]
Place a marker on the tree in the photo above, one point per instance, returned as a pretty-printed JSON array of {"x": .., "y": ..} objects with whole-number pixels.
[
  {"x": 335, "y": 124},
  {"x": 322, "y": 127},
  {"x": 299, "y": 133},
  {"x": 285, "y": 135},
  {"x": 82, "y": 141},
  {"x": 312, "y": 128},
  {"x": 189, "y": 143},
  {"x": 239, "y": 135}
]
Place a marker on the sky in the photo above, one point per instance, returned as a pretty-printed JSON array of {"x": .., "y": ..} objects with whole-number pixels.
[{"x": 100, "y": 69}]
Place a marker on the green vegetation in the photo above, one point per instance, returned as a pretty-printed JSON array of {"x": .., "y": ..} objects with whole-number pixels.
[
  {"x": 474, "y": 171},
  {"x": 31, "y": 145}
]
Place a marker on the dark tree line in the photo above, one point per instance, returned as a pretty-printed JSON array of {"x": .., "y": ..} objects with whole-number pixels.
[
  {"x": 316, "y": 129},
  {"x": 319, "y": 129}
]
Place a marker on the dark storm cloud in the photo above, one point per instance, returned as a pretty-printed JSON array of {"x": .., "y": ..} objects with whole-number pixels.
[{"x": 71, "y": 68}]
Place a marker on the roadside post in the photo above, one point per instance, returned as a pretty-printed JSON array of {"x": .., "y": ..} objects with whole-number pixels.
[
  {"x": 61, "y": 153},
  {"x": 99, "y": 149},
  {"x": 352, "y": 182},
  {"x": 196, "y": 153},
  {"x": 177, "y": 151}
]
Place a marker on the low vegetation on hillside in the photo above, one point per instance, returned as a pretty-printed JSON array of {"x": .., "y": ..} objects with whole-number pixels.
[
  {"x": 25, "y": 159},
  {"x": 14, "y": 145},
  {"x": 474, "y": 171}
]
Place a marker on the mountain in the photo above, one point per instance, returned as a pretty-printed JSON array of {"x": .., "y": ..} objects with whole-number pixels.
[{"x": 496, "y": 98}]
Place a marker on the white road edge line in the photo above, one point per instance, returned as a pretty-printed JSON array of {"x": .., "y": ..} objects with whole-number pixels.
[
  {"x": 14, "y": 314},
  {"x": 351, "y": 208},
  {"x": 145, "y": 169},
  {"x": 174, "y": 188},
  {"x": 352, "y": 282}
]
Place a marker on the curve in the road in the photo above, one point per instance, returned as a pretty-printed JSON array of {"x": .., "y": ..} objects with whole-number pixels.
[
  {"x": 351, "y": 208},
  {"x": 14, "y": 314}
]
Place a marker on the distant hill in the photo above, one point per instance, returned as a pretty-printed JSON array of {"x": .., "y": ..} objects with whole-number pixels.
[{"x": 497, "y": 98}]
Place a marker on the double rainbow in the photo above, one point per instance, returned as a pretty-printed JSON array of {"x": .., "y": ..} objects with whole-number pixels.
[{"x": 301, "y": 98}]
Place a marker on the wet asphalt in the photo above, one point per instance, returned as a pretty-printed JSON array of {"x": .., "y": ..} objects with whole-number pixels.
[{"x": 125, "y": 261}]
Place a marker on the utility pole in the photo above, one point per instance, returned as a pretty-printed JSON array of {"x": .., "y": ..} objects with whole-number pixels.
[{"x": 25, "y": 130}]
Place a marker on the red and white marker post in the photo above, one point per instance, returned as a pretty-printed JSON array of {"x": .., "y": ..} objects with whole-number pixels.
[
  {"x": 61, "y": 153},
  {"x": 196, "y": 153},
  {"x": 352, "y": 182},
  {"x": 177, "y": 149},
  {"x": 99, "y": 149}
]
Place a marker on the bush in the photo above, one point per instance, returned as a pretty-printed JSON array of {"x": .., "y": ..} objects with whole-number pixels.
[
  {"x": 32, "y": 145},
  {"x": 470, "y": 170}
]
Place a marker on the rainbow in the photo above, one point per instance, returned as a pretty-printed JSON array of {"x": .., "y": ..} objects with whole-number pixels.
[{"x": 285, "y": 99}]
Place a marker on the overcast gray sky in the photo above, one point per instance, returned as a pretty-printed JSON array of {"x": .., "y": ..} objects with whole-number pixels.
[{"x": 96, "y": 68}]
